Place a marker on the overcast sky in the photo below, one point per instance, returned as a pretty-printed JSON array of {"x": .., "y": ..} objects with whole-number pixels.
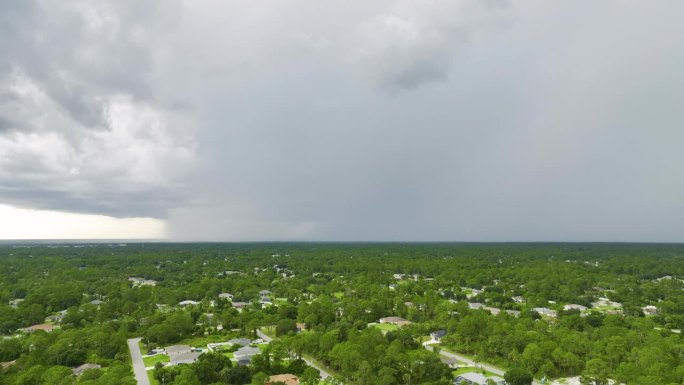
[{"x": 479, "y": 120}]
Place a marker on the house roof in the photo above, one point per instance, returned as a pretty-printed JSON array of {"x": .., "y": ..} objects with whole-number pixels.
[
  {"x": 288, "y": 379},
  {"x": 479, "y": 379},
  {"x": 178, "y": 349},
  {"x": 240, "y": 341},
  {"x": 45, "y": 327},
  {"x": 246, "y": 351},
  {"x": 80, "y": 369},
  {"x": 184, "y": 358},
  {"x": 473, "y": 377},
  {"x": 395, "y": 320}
]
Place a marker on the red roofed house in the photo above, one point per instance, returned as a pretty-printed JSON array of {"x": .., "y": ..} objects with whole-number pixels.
[
  {"x": 287, "y": 379},
  {"x": 44, "y": 327}
]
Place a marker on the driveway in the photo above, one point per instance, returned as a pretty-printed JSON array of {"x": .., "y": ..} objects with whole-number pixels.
[
  {"x": 138, "y": 364},
  {"x": 324, "y": 374},
  {"x": 263, "y": 336}
]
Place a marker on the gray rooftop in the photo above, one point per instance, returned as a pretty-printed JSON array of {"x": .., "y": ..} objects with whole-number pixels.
[
  {"x": 178, "y": 349},
  {"x": 240, "y": 341},
  {"x": 184, "y": 358}
]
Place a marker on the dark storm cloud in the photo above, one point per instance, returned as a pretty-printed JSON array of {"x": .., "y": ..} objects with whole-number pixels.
[
  {"x": 81, "y": 127},
  {"x": 388, "y": 120}
]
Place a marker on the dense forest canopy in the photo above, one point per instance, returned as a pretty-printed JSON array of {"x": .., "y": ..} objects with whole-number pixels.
[{"x": 505, "y": 304}]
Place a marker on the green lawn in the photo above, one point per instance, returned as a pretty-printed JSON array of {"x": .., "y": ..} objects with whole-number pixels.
[
  {"x": 339, "y": 294},
  {"x": 150, "y": 375},
  {"x": 386, "y": 327},
  {"x": 152, "y": 360},
  {"x": 470, "y": 369}
]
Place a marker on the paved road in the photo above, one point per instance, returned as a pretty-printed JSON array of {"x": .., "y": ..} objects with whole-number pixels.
[
  {"x": 263, "y": 336},
  {"x": 138, "y": 364},
  {"x": 469, "y": 361},
  {"x": 324, "y": 374}
]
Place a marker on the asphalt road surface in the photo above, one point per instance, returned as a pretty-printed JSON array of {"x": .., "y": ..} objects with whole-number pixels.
[{"x": 138, "y": 364}]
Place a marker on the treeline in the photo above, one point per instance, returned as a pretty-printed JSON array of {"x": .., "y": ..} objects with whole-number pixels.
[{"x": 336, "y": 290}]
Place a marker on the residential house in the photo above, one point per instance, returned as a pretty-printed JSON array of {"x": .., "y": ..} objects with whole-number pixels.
[
  {"x": 394, "y": 320},
  {"x": 287, "y": 379},
  {"x": 226, "y": 296},
  {"x": 184, "y": 358},
  {"x": 55, "y": 318},
  {"x": 243, "y": 356},
  {"x": 492, "y": 310},
  {"x": 474, "y": 378},
  {"x": 15, "y": 302},
  {"x": 177, "y": 349},
  {"x": 650, "y": 310},
  {"x": 44, "y": 327},
  {"x": 188, "y": 302},
  {"x": 544, "y": 311},
  {"x": 137, "y": 281},
  {"x": 240, "y": 305},
  {"x": 437, "y": 335},
  {"x": 240, "y": 341},
  {"x": 80, "y": 369},
  {"x": 573, "y": 306}
]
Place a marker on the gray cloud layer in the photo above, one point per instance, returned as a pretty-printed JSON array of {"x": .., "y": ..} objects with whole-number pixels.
[{"x": 388, "y": 120}]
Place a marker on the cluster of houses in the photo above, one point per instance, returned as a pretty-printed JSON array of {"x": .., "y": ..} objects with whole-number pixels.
[
  {"x": 184, "y": 354},
  {"x": 137, "y": 281},
  {"x": 474, "y": 378},
  {"x": 492, "y": 310}
]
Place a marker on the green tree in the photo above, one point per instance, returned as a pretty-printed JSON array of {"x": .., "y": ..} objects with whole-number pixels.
[{"x": 518, "y": 376}]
